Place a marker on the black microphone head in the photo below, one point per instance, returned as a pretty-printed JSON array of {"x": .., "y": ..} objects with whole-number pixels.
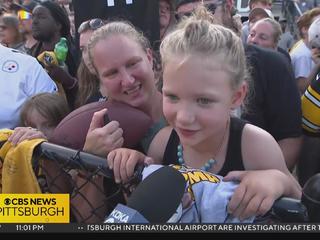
[
  {"x": 311, "y": 197},
  {"x": 158, "y": 196}
]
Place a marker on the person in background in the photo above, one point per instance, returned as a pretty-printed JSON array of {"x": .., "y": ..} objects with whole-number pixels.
[
  {"x": 286, "y": 39},
  {"x": 257, "y": 14},
  {"x": 167, "y": 21},
  {"x": 309, "y": 163},
  {"x": 264, "y": 4},
  {"x": 49, "y": 23},
  {"x": 300, "y": 53},
  {"x": 39, "y": 120},
  {"x": 9, "y": 31},
  {"x": 266, "y": 33},
  {"x": 21, "y": 77},
  {"x": 220, "y": 8},
  {"x": 87, "y": 79},
  {"x": 166, "y": 16},
  {"x": 25, "y": 18}
]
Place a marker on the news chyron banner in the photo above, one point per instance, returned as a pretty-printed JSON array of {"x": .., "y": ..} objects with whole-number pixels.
[
  {"x": 144, "y": 14},
  {"x": 34, "y": 208},
  {"x": 159, "y": 228}
]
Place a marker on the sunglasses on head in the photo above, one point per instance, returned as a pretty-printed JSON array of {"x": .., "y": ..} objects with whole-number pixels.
[
  {"x": 24, "y": 15},
  {"x": 92, "y": 24}
]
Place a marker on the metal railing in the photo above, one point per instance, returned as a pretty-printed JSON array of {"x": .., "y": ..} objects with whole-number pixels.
[{"x": 86, "y": 177}]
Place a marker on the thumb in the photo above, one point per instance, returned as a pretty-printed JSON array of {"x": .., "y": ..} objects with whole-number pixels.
[
  {"x": 148, "y": 161},
  {"x": 97, "y": 120},
  {"x": 234, "y": 176}
]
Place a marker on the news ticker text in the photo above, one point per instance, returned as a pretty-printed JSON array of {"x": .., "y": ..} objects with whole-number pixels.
[{"x": 173, "y": 228}]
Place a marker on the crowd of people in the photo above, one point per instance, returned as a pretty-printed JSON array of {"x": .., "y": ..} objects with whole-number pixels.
[{"x": 224, "y": 96}]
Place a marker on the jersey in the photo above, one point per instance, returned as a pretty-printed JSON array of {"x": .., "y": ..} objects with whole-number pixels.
[
  {"x": 21, "y": 76},
  {"x": 205, "y": 199}
]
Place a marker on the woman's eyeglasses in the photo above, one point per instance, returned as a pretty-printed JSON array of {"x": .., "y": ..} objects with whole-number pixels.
[
  {"x": 92, "y": 24},
  {"x": 24, "y": 15}
]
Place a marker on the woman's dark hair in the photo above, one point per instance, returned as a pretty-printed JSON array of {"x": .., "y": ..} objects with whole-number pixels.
[{"x": 60, "y": 15}]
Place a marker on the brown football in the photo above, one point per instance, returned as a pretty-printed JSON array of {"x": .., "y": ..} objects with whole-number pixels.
[{"x": 72, "y": 130}]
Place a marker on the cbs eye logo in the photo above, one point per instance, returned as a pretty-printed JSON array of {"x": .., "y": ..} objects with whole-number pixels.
[{"x": 7, "y": 201}]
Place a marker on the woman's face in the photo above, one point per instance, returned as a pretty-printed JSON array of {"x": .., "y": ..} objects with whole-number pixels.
[
  {"x": 8, "y": 34},
  {"x": 125, "y": 70},
  {"x": 164, "y": 13},
  {"x": 83, "y": 43}
]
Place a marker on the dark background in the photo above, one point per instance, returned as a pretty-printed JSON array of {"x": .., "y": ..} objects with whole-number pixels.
[{"x": 144, "y": 14}]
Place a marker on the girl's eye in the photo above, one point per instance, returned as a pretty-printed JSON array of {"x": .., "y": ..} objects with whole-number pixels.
[
  {"x": 132, "y": 64},
  {"x": 204, "y": 101},
  {"x": 172, "y": 97}
]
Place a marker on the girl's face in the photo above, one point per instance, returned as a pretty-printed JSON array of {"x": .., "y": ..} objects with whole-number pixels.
[
  {"x": 38, "y": 121},
  {"x": 83, "y": 44},
  {"x": 125, "y": 70},
  {"x": 198, "y": 98}
]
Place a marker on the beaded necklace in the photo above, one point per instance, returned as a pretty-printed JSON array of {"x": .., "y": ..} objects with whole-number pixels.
[{"x": 209, "y": 164}]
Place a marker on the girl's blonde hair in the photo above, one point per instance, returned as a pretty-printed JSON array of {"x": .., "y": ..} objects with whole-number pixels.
[{"x": 198, "y": 35}]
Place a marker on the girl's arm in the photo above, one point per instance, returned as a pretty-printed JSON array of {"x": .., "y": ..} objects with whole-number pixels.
[{"x": 266, "y": 177}]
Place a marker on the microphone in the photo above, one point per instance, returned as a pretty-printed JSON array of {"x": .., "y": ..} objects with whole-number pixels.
[
  {"x": 154, "y": 200},
  {"x": 311, "y": 197},
  {"x": 289, "y": 210}
]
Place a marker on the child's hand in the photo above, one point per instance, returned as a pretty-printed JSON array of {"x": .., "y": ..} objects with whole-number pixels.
[
  {"x": 256, "y": 192},
  {"x": 123, "y": 162},
  {"x": 24, "y": 133}
]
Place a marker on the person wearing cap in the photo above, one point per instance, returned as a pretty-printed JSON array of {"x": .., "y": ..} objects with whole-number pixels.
[
  {"x": 264, "y": 4},
  {"x": 257, "y": 14},
  {"x": 300, "y": 53},
  {"x": 310, "y": 162},
  {"x": 25, "y": 18}
]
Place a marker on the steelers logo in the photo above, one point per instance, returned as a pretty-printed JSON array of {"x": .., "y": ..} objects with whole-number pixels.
[{"x": 10, "y": 66}]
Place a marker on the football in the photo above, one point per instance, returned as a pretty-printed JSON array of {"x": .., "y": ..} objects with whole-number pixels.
[{"x": 72, "y": 130}]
